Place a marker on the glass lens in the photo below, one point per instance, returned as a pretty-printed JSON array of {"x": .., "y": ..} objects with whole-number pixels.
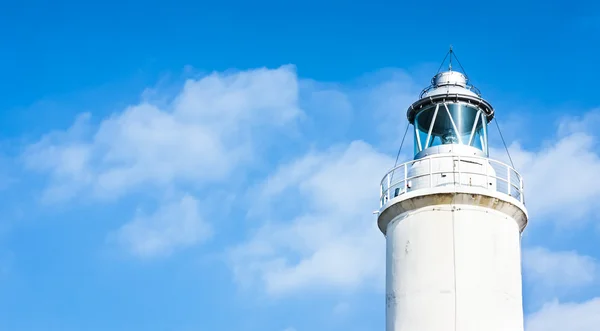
[{"x": 453, "y": 123}]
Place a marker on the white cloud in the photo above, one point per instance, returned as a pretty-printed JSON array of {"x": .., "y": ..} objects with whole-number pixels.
[
  {"x": 580, "y": 123},
  {"x": 556, "y": 316},
  {"x": 175, "y": 225},
  {"x": 212, "y": 127},
  {"x": 206, "y": 132},
  {"x": 333, "y": 241},
  {"x": 66, "y": 157},
  {"x": 552, "y": 273}
]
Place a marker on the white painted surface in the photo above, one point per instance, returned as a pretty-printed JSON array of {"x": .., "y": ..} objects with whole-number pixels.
[
  {"x": 452, "y": 170},
  {"x": 453, "y": 267}
]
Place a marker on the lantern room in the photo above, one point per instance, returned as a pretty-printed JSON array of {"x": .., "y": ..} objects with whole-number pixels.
[{"x": 450, "y": 116}]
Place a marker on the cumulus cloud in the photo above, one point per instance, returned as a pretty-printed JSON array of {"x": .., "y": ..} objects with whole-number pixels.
[
  {"x": 203, "y": 134},
  {"x": 556, "y": 316},
  {"x": 319, "y": 231},
  {"x": 199, "y": 136},
  {"x": 212, "y": 128},
  {"x": 332, "y": 240},
  {"x": 175, "y": 225},
  {"x": 553, "y": 273},
  {"x": 586, "y": 122}
]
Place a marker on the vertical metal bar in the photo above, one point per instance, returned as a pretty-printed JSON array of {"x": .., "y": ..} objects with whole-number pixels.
[
  {"x": 459, "y": 107},
  {"x": 418, "y": 138},
  {"x": 431, "y": 125},
  {"x": 380, "y": 195},
  {"x": 459, "y": 177},
  {"x": 389, "y": 184},
  {"x": 485, "y": 137},
  {"x": 521, "y": 188},
  {"x": 508, "y": 179},
  {"x": 405, "y": 177},
  {"x": 474, "y": 127}
]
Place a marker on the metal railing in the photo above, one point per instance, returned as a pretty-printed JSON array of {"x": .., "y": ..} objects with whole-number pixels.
[{"x": 451, "y": 170}]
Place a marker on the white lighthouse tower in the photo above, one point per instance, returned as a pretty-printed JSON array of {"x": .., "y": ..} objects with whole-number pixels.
[{"x": 453, "y": 219}]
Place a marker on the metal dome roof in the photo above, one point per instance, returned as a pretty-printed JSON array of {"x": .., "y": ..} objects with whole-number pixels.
[{"x": 450, "y": 86}]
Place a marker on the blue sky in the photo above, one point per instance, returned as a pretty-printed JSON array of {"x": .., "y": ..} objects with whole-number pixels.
[{"x": 178, "y": 166}]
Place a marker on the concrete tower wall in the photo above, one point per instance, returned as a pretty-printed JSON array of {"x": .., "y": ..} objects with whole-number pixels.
[{"x": 453, "y": 267}]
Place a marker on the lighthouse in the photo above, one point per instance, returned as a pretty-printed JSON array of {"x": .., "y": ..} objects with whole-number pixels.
[{"x": 452, "y": 219}]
